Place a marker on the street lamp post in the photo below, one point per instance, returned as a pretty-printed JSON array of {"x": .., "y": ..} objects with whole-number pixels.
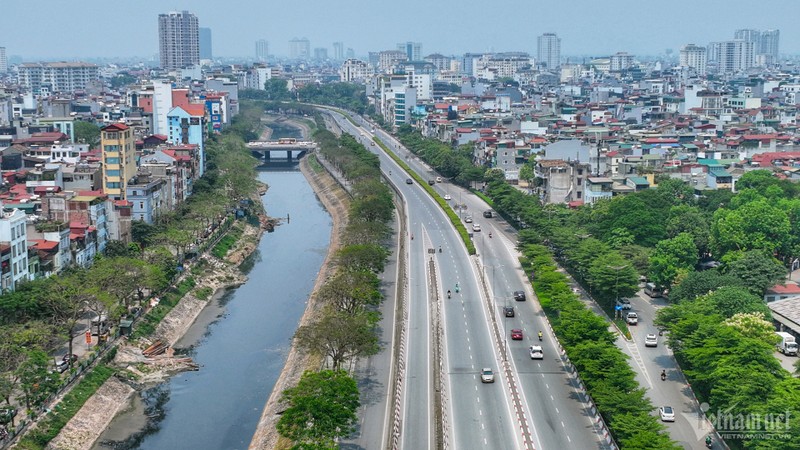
[{"x": 616, "y": 269}]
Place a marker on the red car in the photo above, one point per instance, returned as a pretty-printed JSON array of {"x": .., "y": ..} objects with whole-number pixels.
[{"x": 516, "y": 335}]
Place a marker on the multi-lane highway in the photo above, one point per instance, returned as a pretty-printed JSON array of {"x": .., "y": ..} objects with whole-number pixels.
[{"x": 549, "y": 413}]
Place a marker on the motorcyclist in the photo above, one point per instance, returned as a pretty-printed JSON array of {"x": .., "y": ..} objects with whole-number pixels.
[
  {"x": 540, "y": 335},
  {"x": 440, "y": 249},
  {"x": 490, "y": 235},
  {"x": 708, "y": 441},
  {"x": 457, "y": 287},
  {"x": 448, "y": 293},
  {"x": 663, "y": 375}
]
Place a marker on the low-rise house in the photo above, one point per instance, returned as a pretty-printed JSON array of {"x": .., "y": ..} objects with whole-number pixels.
[{"x": 147, "y": 196}]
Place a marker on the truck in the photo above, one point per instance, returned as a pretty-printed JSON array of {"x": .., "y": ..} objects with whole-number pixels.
[{"x": 787, "y": 344}]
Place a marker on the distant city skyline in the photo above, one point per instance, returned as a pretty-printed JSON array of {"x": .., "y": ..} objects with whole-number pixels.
[{"x": 583, "y": 27}]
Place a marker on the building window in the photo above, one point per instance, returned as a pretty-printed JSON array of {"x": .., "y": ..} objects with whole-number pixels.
[
  {"x": 112, "y": 160},
  {"x": 112, "y": 173},
  {"x": 112, "y": 185}
]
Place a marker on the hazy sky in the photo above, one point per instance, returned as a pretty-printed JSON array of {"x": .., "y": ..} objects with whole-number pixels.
[{"x": 59, "y": 29}]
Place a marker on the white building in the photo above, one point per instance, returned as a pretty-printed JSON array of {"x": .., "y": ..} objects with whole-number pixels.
[
  {"x": 502, "y": 65},
  {"x": 549, "y": 50},
  {"x": 734, "y": 56},
  {"x": 162, "y": 105},
  {"x": 694, "y": 56},
  {"x": 52, "y": 77},
  {"x": 3, "y": 60},
  {"x": 13, "y": 235},
  {"x": 354, "y": 70},
  {"x": 620, "y": 61},
  {"x": 388, "y": 59}
]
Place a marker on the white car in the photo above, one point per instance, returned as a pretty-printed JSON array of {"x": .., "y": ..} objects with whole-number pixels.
[
  {"x": 651, "y": 340},
  {"x": 438, "y": 179},
  {"x": 447, "y": 197},
  {"x": 536, "y": 352},
  {"x": 667, "y": 413},
  {"x": 476, "y": 227},
  {"x": 487, "y": 376},
  {"x": 468, "y": 219}
]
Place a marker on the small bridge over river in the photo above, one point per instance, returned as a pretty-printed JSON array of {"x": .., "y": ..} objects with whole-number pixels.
[{"x": 284, "y": 149}]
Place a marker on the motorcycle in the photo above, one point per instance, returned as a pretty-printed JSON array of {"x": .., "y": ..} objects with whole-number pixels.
[
  {"x": 709, "y": 442},
  {"x": 490, "y": 235},
  {"x": 663, "y": 375},
  {"x": 457, "y": 288},
  {"x": 540, "y": 336},
  {"x": 440, "y": 249},
  {"x": 448, "y": 294}
]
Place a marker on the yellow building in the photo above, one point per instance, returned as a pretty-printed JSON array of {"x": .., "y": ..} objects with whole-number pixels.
[{"x": 119, "y": 159}]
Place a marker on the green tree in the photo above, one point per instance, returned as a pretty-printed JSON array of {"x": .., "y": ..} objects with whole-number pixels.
[
  {"x": 696, "y": 284},
  {"x": 757, "y": 225},
  {"x": 369, "y": 257},
  {"x": 275, "y": 89},
  {"x": 611, "y": 276},
  {"x": 35, "y": 379},
  {"x": 352, "y": 291},
  {"x": 732, "y": 300},
  {"x": 339, "y": 336},
  {"x": 321, "y": 408},
  {"x": 689, "y": 219},
  {"x": 671, "y": 258},
  {"x": 757, "y": 270},
  {"x": 87, "y": 133}
]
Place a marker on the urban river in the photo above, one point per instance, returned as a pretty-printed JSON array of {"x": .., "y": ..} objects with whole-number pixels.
[{"x": 241, "y": 340}]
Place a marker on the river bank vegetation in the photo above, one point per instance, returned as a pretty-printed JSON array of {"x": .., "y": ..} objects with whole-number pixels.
[{"x": 322, "y": 406}]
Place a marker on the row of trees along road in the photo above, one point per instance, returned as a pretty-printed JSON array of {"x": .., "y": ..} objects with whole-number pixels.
[
  {"x": 718, "y": 320},
  {"x": 322, "y": 406},
  {"x": 40, "y": 315},
  {"x": 663, "y": 233}
]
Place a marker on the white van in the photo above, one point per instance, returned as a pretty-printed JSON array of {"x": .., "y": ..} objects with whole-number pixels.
[{"x": 651, "y": 290}]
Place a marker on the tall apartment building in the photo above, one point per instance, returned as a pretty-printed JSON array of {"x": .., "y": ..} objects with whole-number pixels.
[
  {"x": 694, "y": 56},
  {"x": 320, "y": 53},
  {"x": 119, "y": 159},
  {"x": 3, "y": 60},
  {"x": 338, "y": 51},
  {"x": 54, "y": 77},
  {"x": 769, "y": 44},
  {"x": 413, "y": 50},
  {"x": 178, "y": 40},
  {"x": 262, "y": 50},
  {"x": 205, "y": 43},
  {"x": 299, "y": 49},
  {"x": 549, "y": 46},
  {"x": 734, "y": 56},
  {"x": 749, "y": 35}
]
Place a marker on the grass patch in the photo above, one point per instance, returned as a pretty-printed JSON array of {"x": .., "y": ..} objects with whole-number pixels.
[
  {"x": 227, "y": 242},
  {"x": 204, "y": 293},
  {"x": 313, "y": 162},
  {"x": 623, "y": 326},
  {"x": 49, "y": 427},
  {"x": 150, "y": 321}
]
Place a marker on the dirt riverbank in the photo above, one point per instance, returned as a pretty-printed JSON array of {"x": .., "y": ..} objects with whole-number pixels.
[
  {"x": 211, "y": 275},
  {"x": 337, "y": 202}
]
